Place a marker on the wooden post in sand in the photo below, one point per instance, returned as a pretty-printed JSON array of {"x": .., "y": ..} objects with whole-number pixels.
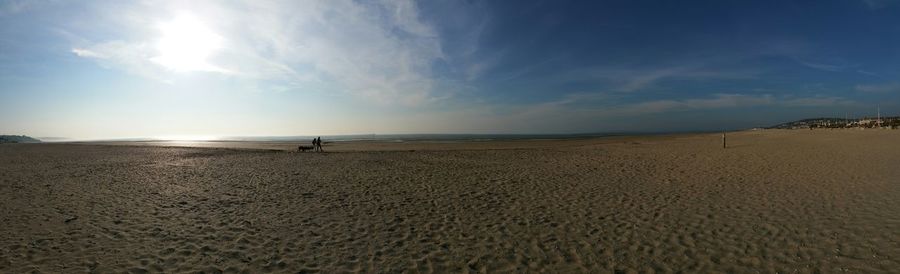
[{"x": 723, "y": 140}]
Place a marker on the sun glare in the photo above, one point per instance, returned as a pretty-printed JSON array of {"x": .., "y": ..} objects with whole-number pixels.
[
  {"x": 180, "y": 138},
  {"x": 186, "y": 44}
]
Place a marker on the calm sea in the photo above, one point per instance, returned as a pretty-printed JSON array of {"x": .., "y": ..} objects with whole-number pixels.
[
  {"x": 395, "y": 137},
  {"x": 430, "y": 137}
]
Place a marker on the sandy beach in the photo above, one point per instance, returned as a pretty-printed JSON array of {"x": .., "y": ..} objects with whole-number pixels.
[{"x": 801, "y": 201}]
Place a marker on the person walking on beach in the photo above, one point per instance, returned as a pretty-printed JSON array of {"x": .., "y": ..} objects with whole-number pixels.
[
  {"x": 315, "y": 147},
  {"x": 319, "y": 144}
]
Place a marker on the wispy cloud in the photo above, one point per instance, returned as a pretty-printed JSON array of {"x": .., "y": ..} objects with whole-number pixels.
[
  {"x": 716, "y": 101},
  {"x": 741, "y": 100},
  {"x": 879, "y": 88},
  {"x": 581, "y": 97},
  {"x": 134, "y": 58},
  {"x": 835, "y": 67},
  {"x": 17, "y": 6},
  {"x": 630, "y": 80},
  {"x": 567, "y": 114},
  {"x": 822, "y": 66},
  {"x": 380, "y": 51},
  {"x": 87, "y": 53},
  {"x": 869, "y": 73},
  {"x": 878, "y": 4}
]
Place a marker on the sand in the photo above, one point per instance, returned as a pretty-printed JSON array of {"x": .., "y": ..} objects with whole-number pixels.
[{"x": 775, "y": 201}]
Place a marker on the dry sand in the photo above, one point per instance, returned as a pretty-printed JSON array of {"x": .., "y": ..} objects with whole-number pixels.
[{"x": 785, "y": 201}]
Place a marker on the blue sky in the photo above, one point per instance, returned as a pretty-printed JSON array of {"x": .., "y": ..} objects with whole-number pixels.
[{"x": 116, "y": 69}]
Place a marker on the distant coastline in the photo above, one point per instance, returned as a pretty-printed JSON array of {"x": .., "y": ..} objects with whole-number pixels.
[
  {"x": 7, "y": 139},
  {"x": 892, "y": 122}
]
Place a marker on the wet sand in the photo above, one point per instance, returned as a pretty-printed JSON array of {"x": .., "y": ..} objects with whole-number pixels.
[{"x": 774, "y": 201}]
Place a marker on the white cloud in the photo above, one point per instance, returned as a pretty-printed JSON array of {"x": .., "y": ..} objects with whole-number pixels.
[
  {"x": 87, "y": 53},
  {"x": 380, "y": 51},
  {"x": 134, "y": 58}
]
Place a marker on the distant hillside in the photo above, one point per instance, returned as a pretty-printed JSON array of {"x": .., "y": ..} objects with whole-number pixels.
[
  {"x": 825, "y": 122},
  {"x": 17, "y": 139},
  {"x": 809, "y": 122}
]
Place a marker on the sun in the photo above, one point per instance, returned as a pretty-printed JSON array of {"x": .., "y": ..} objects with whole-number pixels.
[{"x": 186, "y": 44}]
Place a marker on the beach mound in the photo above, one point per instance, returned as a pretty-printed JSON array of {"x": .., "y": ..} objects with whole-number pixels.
[{"x": 774, "y": 201}]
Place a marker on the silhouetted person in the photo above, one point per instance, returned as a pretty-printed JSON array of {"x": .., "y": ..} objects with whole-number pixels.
[
  {"x": 319, "y": 144},
  {"x": 315, "y": 147}
]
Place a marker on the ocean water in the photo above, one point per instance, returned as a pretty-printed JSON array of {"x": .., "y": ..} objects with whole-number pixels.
[
  {"x": 382, "y": 137},
  {"x": 425, "y": 137}
]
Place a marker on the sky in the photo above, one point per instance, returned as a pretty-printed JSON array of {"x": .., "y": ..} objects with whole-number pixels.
[{"x": 202, "y": 69}]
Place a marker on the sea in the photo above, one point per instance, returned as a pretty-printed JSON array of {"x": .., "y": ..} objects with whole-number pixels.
[{"x": 443, "y": 138}]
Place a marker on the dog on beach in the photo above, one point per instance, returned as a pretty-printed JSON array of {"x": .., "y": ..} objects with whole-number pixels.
[{"x": 304, "y": 148}]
